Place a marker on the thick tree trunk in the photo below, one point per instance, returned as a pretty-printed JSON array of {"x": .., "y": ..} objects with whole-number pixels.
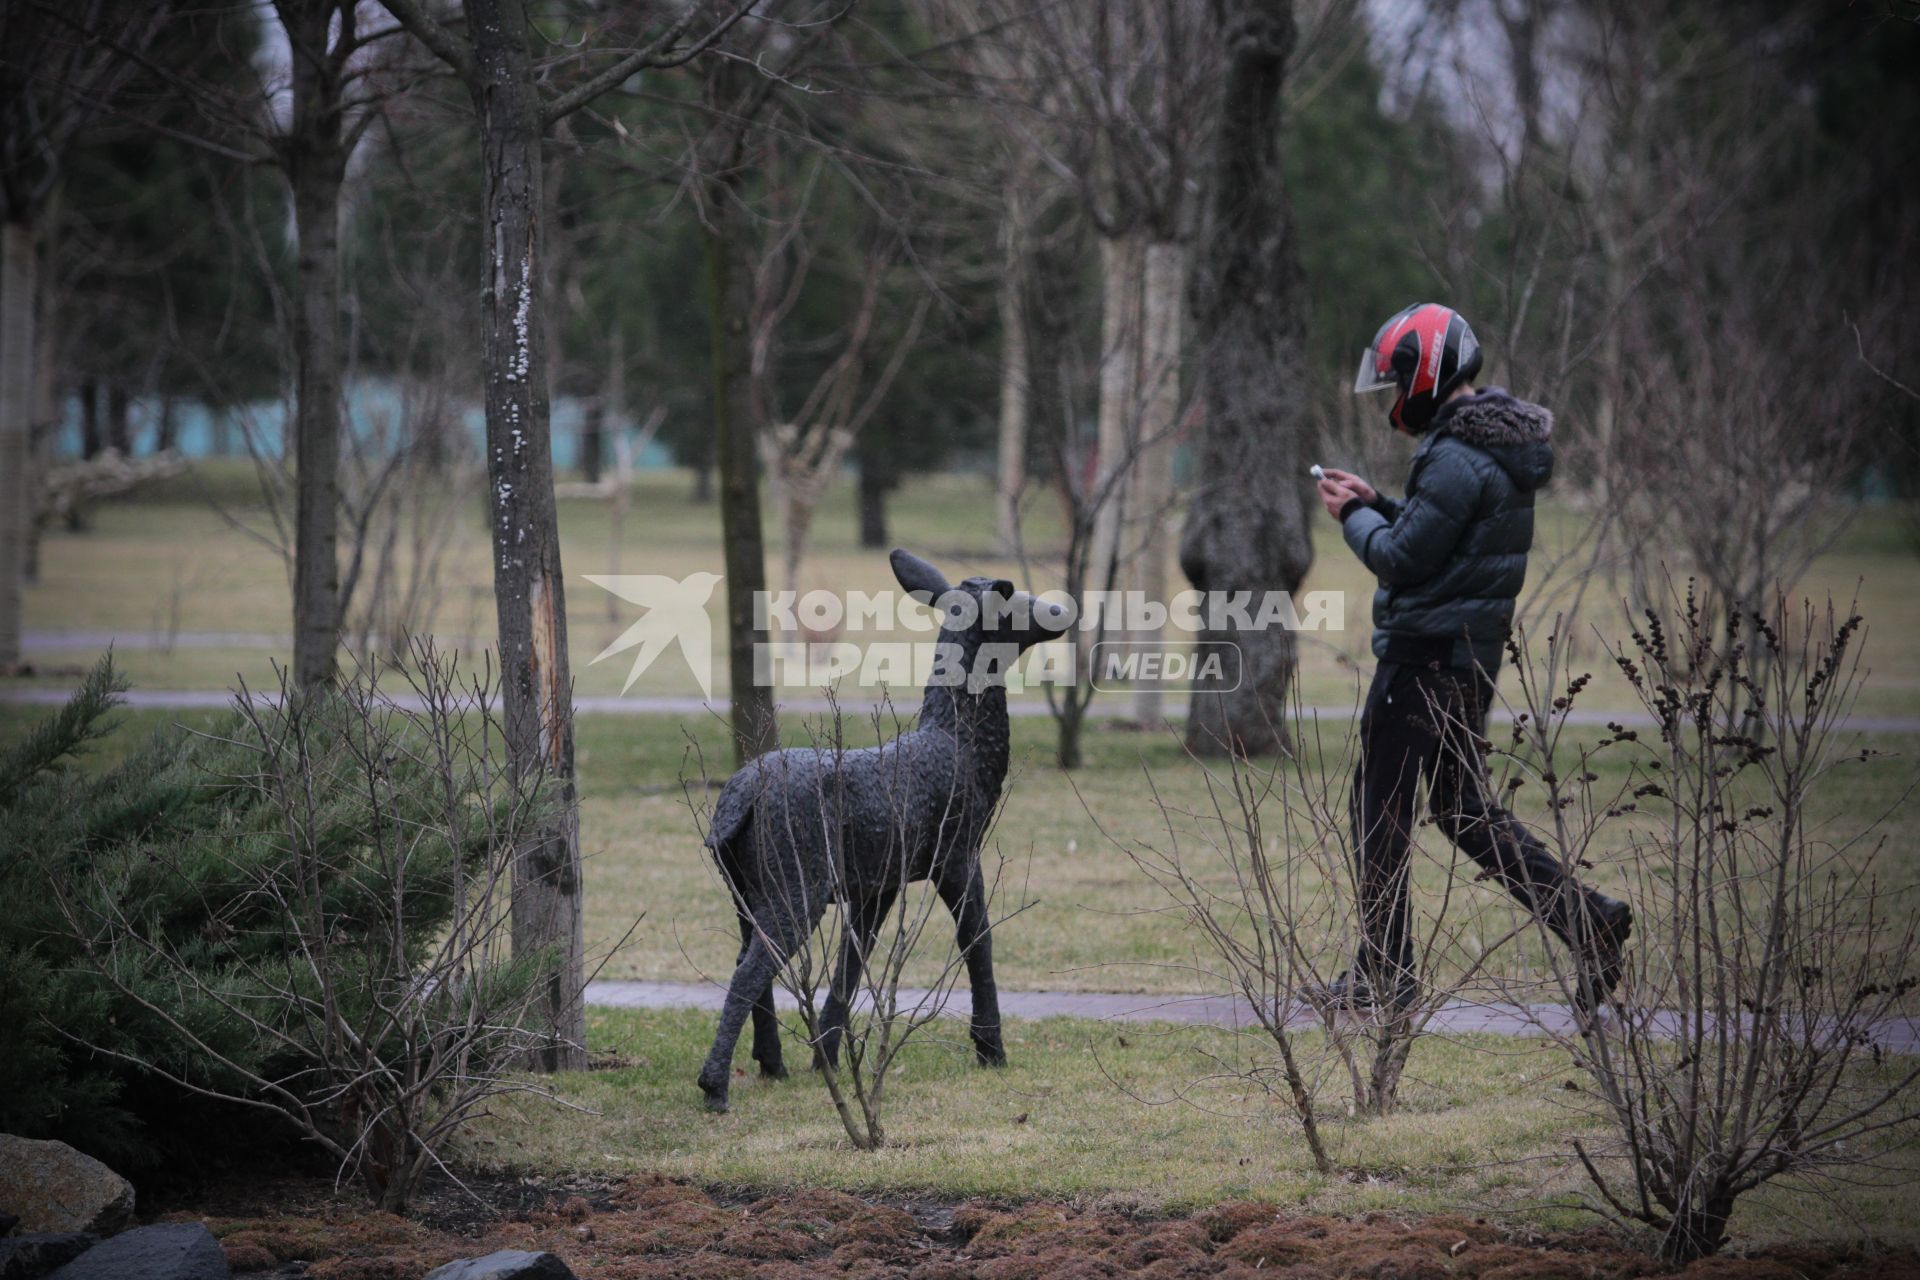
[
  {"x": 1246, "y": 528},
  {"x": 529, "y": 591},
  {"x": 1016, "y": 374},
  {"x": 754, "y": 729},
  {"x": 18, "y": 285},
  {"x": 316, "y": 165},
  {"x": 1163, "y": 297}
]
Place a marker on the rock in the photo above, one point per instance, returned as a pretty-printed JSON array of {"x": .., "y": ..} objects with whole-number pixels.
[
  {"x": 169, "y": 1251},
  {"x": 508, "y": 1264},
  {"x": 52, "y": 1187},
  {"x": 32, "y": 1255},
  {"x": 7, "y": 1223}
]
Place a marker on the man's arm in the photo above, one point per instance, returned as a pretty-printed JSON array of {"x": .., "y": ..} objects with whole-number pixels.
[
  {"x": 1412, "y": 544},
  {"x": 1368, "y": 495}
]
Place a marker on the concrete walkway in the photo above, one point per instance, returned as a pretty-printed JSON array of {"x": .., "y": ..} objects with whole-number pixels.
[
  {"x": 1462, "y": 1017},
  {"x": 857, "y": 710},
  {"x": 858, "y": 706}
]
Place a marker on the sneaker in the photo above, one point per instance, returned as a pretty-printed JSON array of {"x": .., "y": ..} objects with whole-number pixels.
[
  {"x": 1354, "y": 993},
  {"x": 1606, "y": 924}
]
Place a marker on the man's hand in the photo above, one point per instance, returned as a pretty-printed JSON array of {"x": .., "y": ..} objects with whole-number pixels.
[
  {"x": 1361, "y": 489},
  {"x": 1335, "y": 495}
]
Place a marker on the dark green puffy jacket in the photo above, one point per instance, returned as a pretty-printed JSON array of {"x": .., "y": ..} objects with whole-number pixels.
[{"x": 1452, "y": 556}]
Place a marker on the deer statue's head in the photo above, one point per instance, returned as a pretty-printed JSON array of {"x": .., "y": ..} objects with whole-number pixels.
[{"x": 985, "y": 623}]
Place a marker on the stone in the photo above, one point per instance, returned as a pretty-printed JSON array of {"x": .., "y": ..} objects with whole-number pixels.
[
  {"x": 51, "y": 1187},
  {"x": 508, "y": 1264},
  {"x": 33, "y": 1254},
  {"x": 7, "y": 1223},
  {"x": 167, "y": 1251}
]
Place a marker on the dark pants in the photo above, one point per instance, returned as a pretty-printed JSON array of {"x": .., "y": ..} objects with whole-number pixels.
[{"x": 1425, "y": 721}]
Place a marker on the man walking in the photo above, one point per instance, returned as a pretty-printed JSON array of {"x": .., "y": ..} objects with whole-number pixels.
[{"x": 1451, "y": 558}]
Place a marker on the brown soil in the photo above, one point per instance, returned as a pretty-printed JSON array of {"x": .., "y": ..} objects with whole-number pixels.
[{"x": 654, "y": 1229}]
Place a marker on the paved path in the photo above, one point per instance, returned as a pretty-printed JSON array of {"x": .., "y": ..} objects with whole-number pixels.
[
  {"x": 856, "y": 709},
  {"x": 857, "y": 706},
  {"x": 1462, "y": 1017}
]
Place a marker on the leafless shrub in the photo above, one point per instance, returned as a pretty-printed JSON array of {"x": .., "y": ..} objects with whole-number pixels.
[
  {"x": 1267, "y": 873},
  {"x": 364, "y": 990},
  {"x": 1748, "y": 1039}
]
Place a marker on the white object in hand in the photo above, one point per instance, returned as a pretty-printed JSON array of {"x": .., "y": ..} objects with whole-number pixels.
[{"x": 1316, "y": 472}]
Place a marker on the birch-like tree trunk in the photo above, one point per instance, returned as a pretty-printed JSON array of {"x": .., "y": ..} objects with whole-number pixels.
[
  {"x": 1246, "y": 527},
  {"x": 315, "y": 160},
  {"x": 1016, "y": 369},
  {"x": 1163, "y": 299},
  {"x": 17, "y": 291},
  {"x": 529, "y": 591},
  {"x": 1122, "y": 267}
]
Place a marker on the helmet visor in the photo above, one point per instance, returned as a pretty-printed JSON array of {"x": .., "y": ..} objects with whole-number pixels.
[{"x": 1371, "y": 377}]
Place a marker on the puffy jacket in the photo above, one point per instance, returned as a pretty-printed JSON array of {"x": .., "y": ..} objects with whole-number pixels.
[{"x": 1452, "y": 556}]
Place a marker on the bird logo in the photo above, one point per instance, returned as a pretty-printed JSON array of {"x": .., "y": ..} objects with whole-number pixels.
[{"x": 676, "y": 613}]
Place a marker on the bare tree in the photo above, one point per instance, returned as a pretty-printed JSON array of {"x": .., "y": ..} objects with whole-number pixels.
[
  {"x": 494, "y": 60},
  {"x": 1247, "y": 525},
  {"x": 1113, "y": 100},
  {"x": 735, "y": 98},
  {"x": 53, "y": 81},
  {"x": 806, "y": 444}
]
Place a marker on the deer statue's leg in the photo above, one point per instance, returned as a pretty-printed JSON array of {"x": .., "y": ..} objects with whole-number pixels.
[
  {"x": 750, "y": 977},
  {"x": 856, "y": 944},
  {"x": 966, "y": 897},
  {"x": 766, "y": 1024},
  {"x": 773, "y": 940}
]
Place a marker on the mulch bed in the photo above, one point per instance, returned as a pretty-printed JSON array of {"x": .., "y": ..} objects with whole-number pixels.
[{"x": 655, "y": 1229}]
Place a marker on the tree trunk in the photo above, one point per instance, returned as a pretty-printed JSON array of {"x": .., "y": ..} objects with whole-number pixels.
[
  {"x": 1122, "y": 263},
  {"x": 91, "y": 440},
  {"x": 1163, "y": 296},
  {"x": 119, "y": 424},
  {"x": 1698, "y": 1229},
  {"x": 1246, "y": 528},
  {"x": 529, "y": 590},
  {"x": 874, "y": 484},
  {"x": 168, "y": 434},
  {"x": 1016, "y": 375},
  {"x": 754, "y": 729},
  {"x": 316, "y": 165},
  {"x": 593, "y": 439},
  {"x": 18, "y": 286}
]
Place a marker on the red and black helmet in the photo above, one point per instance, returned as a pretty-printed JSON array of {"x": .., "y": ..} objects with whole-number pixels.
[{"x": 1426, "y": 351}]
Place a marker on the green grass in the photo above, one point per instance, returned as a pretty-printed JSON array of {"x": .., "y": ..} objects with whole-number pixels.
[
  {"x": 1153, "y": 1117},
  {"x": 167, "y": 562},
  {"x": 1094, "y": 922},
  {"x": 1485, "y": 1124}
]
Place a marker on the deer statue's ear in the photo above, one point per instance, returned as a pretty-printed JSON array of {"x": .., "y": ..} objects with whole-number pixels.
[{"x": 917, "y": 576}]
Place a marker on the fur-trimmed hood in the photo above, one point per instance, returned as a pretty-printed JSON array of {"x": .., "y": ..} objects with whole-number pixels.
[{"x": 1513, "y": 432}]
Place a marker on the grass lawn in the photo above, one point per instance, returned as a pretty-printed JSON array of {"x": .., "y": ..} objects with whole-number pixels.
[
  {"x": 1138, "y": 1116},
  {"x": 167, "y": 562},
  {"x": 1086, "y": 1111}
]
